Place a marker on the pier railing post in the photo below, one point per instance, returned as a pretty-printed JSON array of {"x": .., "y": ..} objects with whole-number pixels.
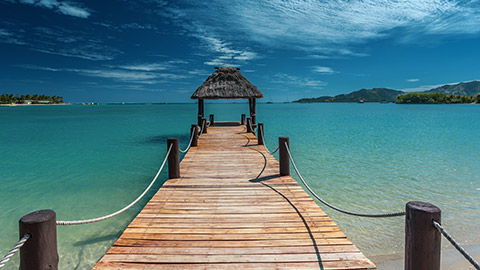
[
  {"x": 283, "y": 155},
  {"x": 260, "y": 134},
  {"x": 194, "y": 131},
  {"x": 212, "y": 122},
  {"x": 249, "y": 125},
  {"x": 422, "y": 239},
  {"x": 40, "y": 251},
  {"x": 242, "y": 119},
  {"x": 204, "y": 123},
  {"x": 173, "y": 159}
]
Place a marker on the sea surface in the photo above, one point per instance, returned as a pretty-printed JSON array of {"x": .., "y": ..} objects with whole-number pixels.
[{"x": 89, "y": 161}]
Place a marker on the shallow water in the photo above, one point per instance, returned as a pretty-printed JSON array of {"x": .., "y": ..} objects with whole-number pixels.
[{"x": 88, "y": 161}]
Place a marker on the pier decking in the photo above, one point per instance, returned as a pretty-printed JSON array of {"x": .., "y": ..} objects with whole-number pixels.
[{"x": 218, "y": 215}]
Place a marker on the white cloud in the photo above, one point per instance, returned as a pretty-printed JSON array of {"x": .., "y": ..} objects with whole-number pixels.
[
  {"x": 72, "y": 10},
  {"x": 68, "y": 8},
  {"x": 145, "y": 67},
  {"x": 413, "y": 80},
  {"x": 324, "y": 70},
  {"x": 325, "y": 28},
  {"x": 225, "y": 54},
  {"x": 283, "y": 78}
]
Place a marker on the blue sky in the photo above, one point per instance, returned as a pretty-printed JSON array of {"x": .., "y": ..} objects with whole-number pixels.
[{"x": 161, "y": 51}]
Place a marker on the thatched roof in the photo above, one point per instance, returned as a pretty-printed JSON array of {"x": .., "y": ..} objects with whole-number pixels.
[{"x": 227, "y": 82}]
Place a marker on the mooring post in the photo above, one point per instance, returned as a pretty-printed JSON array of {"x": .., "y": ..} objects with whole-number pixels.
[
  {"x": 260, "y": 134},
  {"x": 249, "y": 125},
  {"x": 212, "y": 122},
  {"x": 242, "y": 119},
  {"x": 173, "y": 159},
  {"x": 283, "y": 155},
  {"x": 194, "y": 131},
  {"x": 204, "y": 123},
  {"x": 40, "y": 251},
  {"x": 422, "y": 239}
]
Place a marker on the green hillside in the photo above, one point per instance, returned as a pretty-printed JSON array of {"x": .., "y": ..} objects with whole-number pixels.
[
  {"x": 366, "y": 95},
  {"x": 464, "y": 89}
]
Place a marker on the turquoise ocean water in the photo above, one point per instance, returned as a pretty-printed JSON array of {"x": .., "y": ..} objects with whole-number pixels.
[{"x": 88, "y": 161}]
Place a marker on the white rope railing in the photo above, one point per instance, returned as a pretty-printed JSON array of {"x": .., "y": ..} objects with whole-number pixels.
[
  {"x": 265, "y": 145},
  {"x": 189, "y": 144},
  {"x": 332, "y": 206},
  {"x": 456, "y": 245},
  {"x": 92, "y": 220},
  {"x": 14, "y": 250}
]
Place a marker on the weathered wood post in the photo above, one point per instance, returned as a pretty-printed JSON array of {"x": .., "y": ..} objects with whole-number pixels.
[
  {"x": 243, "y": 119},
  {"x": 422, "y": 239},
  {"x": 40, "y": 251},
  {"x": 249, "y": 125},
  {"x": 194, "y": 131},
  {"x": 204, "y": 124},
  {"x": 173, "y": 159},
  {"x": 200, "y": 111},
  {"x": 283, "y": 155},
  {"x": 212, "y": 122},
  {"x": 254, "y": 111},
  {"x": 260, "y": 134}
]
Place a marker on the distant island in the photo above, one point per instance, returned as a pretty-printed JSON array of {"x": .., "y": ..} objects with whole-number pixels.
[
  {"x": 465, "y": 92},
  {"x": 28, "y": 99}
]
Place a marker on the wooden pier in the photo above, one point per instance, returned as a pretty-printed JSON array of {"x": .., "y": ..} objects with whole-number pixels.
[{"x": 219, "y": 215}]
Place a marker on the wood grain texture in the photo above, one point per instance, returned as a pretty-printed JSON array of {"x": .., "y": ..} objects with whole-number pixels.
[{"x": 218, "y": 215}]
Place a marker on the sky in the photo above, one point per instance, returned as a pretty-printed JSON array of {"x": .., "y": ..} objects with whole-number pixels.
[{"x": 161, "y": 51}]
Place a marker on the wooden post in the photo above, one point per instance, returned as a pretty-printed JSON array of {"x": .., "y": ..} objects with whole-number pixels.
[
  {"x": 212, "y": 122},
  {"x": 243, "y": 119},
  {"x": 249, "y": 125},
  {"x": 200, "y": 111},
  {"x": 40, "y": 251},
  {"x": 260, "y": 134},
  {"x": 204, "y": 123},
  {"x": 283, "y": 156},
  {"x": 173, "y": 159},
  {"x": 253, "y": 114},
  {"x": 194, "y": 131},
  {"x": 422, "y": 239}
]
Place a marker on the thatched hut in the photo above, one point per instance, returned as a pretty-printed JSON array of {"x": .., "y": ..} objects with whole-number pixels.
[{"x": 227, "y": 83}]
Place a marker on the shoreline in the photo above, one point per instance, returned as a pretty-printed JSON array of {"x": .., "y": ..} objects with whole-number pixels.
[
  {"x": 451, "y": 259},
  {"x": 16, "y": 105}
]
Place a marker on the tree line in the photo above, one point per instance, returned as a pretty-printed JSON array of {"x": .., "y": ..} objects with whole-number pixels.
[
  {"x": 436, "y": 98},
  {"x": 34, "y": 99}
]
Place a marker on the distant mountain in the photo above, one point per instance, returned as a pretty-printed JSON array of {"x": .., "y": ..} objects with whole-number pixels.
[
  {"x": 464, "y": 89},
  {"x": 366, "y": 95}
]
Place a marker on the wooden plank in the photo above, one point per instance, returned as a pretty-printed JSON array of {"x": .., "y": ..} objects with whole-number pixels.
[{"x": 218, "y": 215}]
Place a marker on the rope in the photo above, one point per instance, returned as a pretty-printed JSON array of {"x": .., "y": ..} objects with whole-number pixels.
[
  {"x": 251, "y": 128},
  {"x": 86, "y": 221},
  {"x": 189, "y": 144},
  {"x": 332, "y": 206},
  {"x": 456, "y": 245},
  {"x": 265, "y": 146},
  {"x": 201, "y": 132},
  {"x": 14, "y": 250}
]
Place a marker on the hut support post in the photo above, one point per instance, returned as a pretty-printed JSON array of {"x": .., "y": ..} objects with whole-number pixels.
[
  {"x": 260, "y": 134},
  {"x": 200, "y": 111},
  {"x": 422, "y": 239},
  {"x": 173, "y": 159},
  {"x": 283, "y": 155},
  {"x": 40, "y": 251},
  {"x": 194, "y": 131},
  {"x": 212, "y": 122},
  {"x": 253, "y": 114}
]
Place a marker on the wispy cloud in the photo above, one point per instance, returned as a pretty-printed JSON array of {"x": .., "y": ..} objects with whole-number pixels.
[
  {"x": 225, "y": 54},
  {"x": 67, "y": 8},
  {"x": 325, "y": 28},
  {"x": 283, "y": 78},
  {"x": 323, "y": 70},
  {"x": 117, "y": 74},
  {"x": 10, "y": 38},
  {"x": 413, "y": 80}
]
